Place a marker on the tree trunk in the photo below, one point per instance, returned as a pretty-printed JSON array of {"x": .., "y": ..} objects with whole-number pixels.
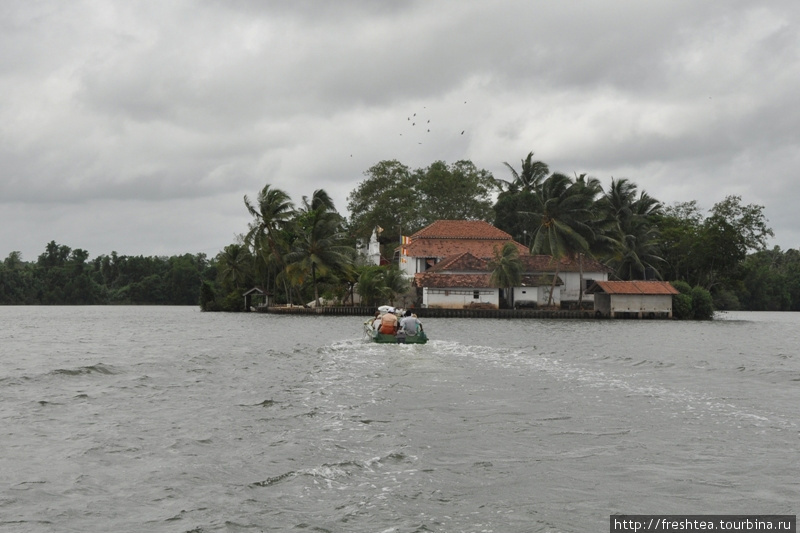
[
  {"x": 580, "y": 287},
  {"x": 553, "y": 285},
  {"x": 314, "y": 281}
]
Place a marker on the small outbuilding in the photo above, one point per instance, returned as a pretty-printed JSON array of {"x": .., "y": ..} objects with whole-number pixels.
[
  {"x": 256, "y": 298},
  {"x": 642, "y": 299}
]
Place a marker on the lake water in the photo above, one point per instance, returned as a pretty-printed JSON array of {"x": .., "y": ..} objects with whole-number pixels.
[{"x": 166, "y": 419}]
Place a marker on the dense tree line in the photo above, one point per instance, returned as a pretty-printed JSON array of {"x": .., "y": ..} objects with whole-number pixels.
[
  {"x": 299, "y": 255},
  {"x": 63, "y": 276},
  {"x": 306, "y": 252},
  {"x": 635, "y": 234}
]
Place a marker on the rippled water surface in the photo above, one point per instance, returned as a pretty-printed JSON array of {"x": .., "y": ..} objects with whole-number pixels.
[{"x": 166, "y": 419}]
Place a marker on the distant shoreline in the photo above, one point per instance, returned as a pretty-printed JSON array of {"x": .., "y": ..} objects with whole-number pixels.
[{"x": 435, "y": 312}]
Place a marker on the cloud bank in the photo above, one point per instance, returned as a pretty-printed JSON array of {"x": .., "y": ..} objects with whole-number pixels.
[{"x": 138, "y": 127}]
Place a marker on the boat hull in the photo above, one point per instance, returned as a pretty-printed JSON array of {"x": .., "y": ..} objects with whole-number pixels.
[{"x": 419, "y": 338}]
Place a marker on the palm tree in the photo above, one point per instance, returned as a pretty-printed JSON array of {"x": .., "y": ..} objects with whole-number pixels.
[
  {"x": 638, "y": 252},
  {"x": 531, "y": 176},
  {"x": 318, "y": 248},
  {"x": 563, "y": 219},
  {"x": 348, "y": 278},
  {"x": 370, "y": 284},
  {"x": 272, "y": 213},
  {"x": 629, "y": 220},
  {"x": 395, "y": 282},
  {"x": 506, "y": 270},
  {"x": 380, "y": 284},
  {"x": 234, "y": 263}
]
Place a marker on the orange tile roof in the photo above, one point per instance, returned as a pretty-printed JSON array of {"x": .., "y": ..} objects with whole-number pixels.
[
  {"x": 444, "y": 238},
  {"x": 464, "y": 261},
  {"x": 454, "y": 240},
  {"x": 446, "y": 247},
  {"x": 634, "y": 287},
  {"x": 478, "y": 281}
]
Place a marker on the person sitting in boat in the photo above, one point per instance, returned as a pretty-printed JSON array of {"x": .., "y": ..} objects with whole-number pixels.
[
  {"x": 389, "y": 324},
  {"x": 375, "y": 321},
  {"x": 410, "y": 324}
]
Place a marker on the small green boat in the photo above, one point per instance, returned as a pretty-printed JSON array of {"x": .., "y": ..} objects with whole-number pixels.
[{"x": 419, "y": 338}]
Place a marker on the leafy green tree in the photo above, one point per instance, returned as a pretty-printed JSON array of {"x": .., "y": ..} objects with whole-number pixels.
[
  {"x": 790, "y": 267},
  {"x": 728, "y": 234},
  {"x": 511, "y": 214},
  {"x": 459, "y": 191},
  {"x": 387, "y": 199},
  {"x": 182, "y": 280},
  {"x": 54, "y": 255},
  {"x": 17, "y": 282},
  {"x": 767, "y": 280},
  {"x": 680, "y": 226},
  {"x": 401, "y": 201},
  {"x": 708, "y": 251},
  {"x": 208, "y": 299},
  {"x": 14, "y": 261},
  {"x": 702, "y": 304},
  {"x": 691, "y": 302},
  {"x": 682, "y": 306},
  {"x": 66, "y": 276}
]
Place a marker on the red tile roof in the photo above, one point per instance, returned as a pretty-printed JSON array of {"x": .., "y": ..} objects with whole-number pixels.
[
  {"x": 464, "y": 261},
  {"x": 468, "y": 245},
  {"x": 452, "y": 281},
  {"x": 444, "y": 238},
  {"x": 540, "y": 280},
  {"x": 634, "y": 287}
]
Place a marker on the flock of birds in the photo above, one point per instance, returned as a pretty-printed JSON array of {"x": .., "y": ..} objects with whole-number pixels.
[{"x": 426, "y": 125}]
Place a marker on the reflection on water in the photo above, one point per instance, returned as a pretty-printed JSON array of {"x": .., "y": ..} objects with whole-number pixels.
[{"x": 168, "y": 419}]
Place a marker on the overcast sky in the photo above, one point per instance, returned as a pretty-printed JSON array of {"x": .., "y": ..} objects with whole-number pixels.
[{"x": 138, "y": 126}]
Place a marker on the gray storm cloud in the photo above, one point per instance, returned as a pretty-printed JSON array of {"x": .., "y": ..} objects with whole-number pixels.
[{"x": 171, "y": 112}]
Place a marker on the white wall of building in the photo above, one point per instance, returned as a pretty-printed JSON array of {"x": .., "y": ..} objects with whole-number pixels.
[
  {"x": 410, "y": 265},
  {"x": 570, "y": 291},
  {"x": 539, "y": 295},
  {"x": 641, "y": 303},
  {"x": 459, "y": 298}
]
